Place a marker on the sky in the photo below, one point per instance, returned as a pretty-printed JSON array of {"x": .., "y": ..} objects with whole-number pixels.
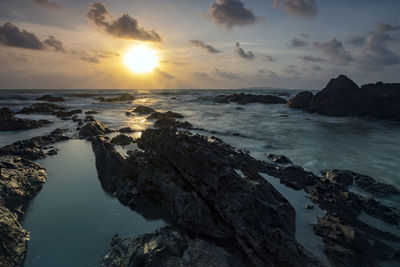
[{"x": 294, "y": 44}]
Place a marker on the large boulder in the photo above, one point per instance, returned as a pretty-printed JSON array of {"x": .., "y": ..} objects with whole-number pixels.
[
  {"x": 143, "y": 110},
  {"x": 122, "y": 98},
  {"x": 42, "y": 108},
  {"x": 177, "y": 250},
  {"x": 161, "y": 115},
  {"x": 243, "y": 98},
  {"x": 301, "y": 101},
  {"x": 122, "y": 140},
  {"x": 8, "y": 122}
]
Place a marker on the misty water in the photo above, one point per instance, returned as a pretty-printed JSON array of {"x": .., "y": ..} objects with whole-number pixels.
[{"x": 73, "y": 219}]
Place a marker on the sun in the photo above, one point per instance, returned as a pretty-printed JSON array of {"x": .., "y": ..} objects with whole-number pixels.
[{"x": 141, "y": 59}]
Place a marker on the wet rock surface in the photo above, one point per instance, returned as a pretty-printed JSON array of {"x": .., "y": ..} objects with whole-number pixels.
[
  {"x": 50, "y": 98},
  {"x": 20, "y": 180},
  {"x": 167, "y": 122},
  {"x": 193, "y": 178},
  {"x": 8, "y": 122},
  {"x": 243, "y": 98},
  {"x": 342, "y": 97},
  {"x": 93, "y": 128},
  {"x": 121, "y": 98},
  {"x": 42, "y": 108},
  {"x": 143, "y": 110},
  {"x": 162, "y": 115},
  {"x": 177, "y": 250},
  {"x": 122, "y": 140},
  {"x": 33, "y": 148},
  {"x": 279, "y": 159},
  {"x": 126, "y": 130}
]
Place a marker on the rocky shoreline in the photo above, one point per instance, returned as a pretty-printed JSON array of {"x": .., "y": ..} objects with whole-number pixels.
[{"x": 222, "y": 211}]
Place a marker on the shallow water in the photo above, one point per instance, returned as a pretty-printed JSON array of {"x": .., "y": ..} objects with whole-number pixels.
[
  {"x": 311, "y": 141},
  {"x": 72, "y": 220}
]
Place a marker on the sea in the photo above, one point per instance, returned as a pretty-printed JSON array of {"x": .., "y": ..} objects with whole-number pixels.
[{"x": 72, "y": 219}]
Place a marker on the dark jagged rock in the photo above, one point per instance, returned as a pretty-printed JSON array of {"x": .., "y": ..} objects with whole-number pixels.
[
  {"x": 342, "y": 97},
  {"x": 243, "y": 98},
  {"x": 370, "y": 185},
  {"x": 301, "y": 101},
  {"x": 8, "y": 122},
  {"x": 20, "y": 180},
  {"x": 167, "y": 122},
  {"x": 93, "y": 128},
  {"x": 121, "y": 98},
  {"x": 122, "y": 140},
  {"x": 195, "y": 179},
  {"x": 126, "y": 130},
  {"x": 279, "y": 159},
  {"x": 128, "y": 113},
  {"x": 342, "y": 238},
  {"x": 177, "y": 250},
  {"x": 42, "y": 108},
  {"x": 50, "y": 98},
  {"x": 52, "y": 152},
  {"x": 144, "y": 110},
  {"x": 33, "y": 148},
  {"x": 91, "y": 112},
  {"x": 169, "y": 115},
  {"x": 69, "y": 113}
]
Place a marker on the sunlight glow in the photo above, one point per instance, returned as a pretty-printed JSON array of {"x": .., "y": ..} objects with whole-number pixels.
[{"x": 141, "y": 59}]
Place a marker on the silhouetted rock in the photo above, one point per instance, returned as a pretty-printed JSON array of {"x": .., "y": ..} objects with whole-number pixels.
[
  {"x": 126, "y": 130},
  {"x": 33, "y": 148},
  {"x": 343, "y": 178},
  {"x": 42, "y": 108},
  {"x": 93, "y": 128},
  {"x": 121, "y": 98},
  {"x": 301, "y": 101},
  {"x": 91, "y": 112},
  {"x": 243, "y": 98},
  {"x": 122, "y": 140},
  {"x": 167, "y": 122},
  {"x": 69, "y": 113},
  {"x": 49, "y": 98},
  {"x": 177, "y": 250},
  {"x": 342, "y": 97},
  {"x": 8, "y": 122},
  {"x": 143, "y": 110},
  {"x": 169, "y": 114}
]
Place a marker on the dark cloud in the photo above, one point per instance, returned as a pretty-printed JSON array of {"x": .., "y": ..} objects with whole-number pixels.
[
  {"x": 375, "y": 53},
  {"x": 335, "y": 50},
  {"x": 299, "y": 8},
  {"x": 316, "y": 68},
  {"x": 229, "y": 13},
  {"x": 46, "y": 4},
  {"x": 241, "y": 53},
  {"x": 310, "y": 58},
  {"x": 164, "y": 74},
  {"x": 292, "y": 69},
  {"x": 200, "y": 75},
  {"x": 386, "y": 27},
  {"x": 85, "y": 56},
  {"x": 227, "y": 75},
  {"x": 11, "y": 35},
  {"x": 296, "y": 42},
  {"x": 209, "y": 48},
  {"x": 356, "y": 40},
  {"x": 123, "y": 27},
  {"x": 304, "y": 35},
  {"x": 54, "y": 43},
  {"x": 268, "y": 58}
]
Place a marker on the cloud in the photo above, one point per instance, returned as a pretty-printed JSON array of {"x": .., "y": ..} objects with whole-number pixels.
[
  {"x": 241, "y": 53},
  {"x": 124, "y": 27},
  {"x": 304, "y": 35},
  {"x": 229, "y": 13},
  {"x": 356, "y": 41},
  {"x": 85, "y": 56},
  {"x": 164, "y": 74},
  {"x": 227, "y": 75},
  {"x": 316, "y": 68},
  {"x": 385, "y": 27},
  {"x": 310, "y": 58},
  {"x": 299, "y": 8},
  {"x": 11, "y": 35},
  {"x": 268, "y": 58},
  {"x": 56, "y": 44},
  {"x": 210, "y": 49},
  {"x": 335, "y": 50},
  {"x": 14, "y": 56},
  {"x": 200, "y": 75},
  {"x": 296, "y": 42},
  {"x": 46, "y": 4},
  {"x": 375, "y": 54}
]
